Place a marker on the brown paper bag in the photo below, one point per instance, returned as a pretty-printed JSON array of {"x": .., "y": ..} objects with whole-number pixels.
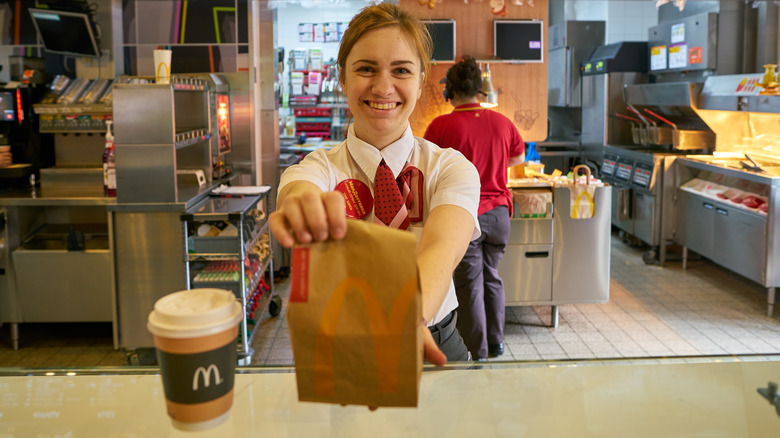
[
  {"x": 354, "y": 318},
  {"x": 532, "y": 203}
]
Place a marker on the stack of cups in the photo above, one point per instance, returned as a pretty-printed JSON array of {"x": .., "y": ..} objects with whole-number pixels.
[{"x": 195, "y": 334}]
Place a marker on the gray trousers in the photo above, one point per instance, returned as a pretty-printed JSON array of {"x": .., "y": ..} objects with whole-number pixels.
[{"x": 480, "y": 291}]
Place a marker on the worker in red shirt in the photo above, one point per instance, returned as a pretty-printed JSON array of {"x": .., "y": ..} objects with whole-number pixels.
[{"x": 492, "y": 143}]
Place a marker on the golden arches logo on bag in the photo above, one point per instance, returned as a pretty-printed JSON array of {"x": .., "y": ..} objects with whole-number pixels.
[
  {"x": 383, "y": 324},
  {"x": 388, "y": 357},
  {"x": 591, "y": 204}
]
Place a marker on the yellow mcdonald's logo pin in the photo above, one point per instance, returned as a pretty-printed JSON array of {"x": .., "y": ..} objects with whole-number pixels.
[{"x": 388, "y": 355}]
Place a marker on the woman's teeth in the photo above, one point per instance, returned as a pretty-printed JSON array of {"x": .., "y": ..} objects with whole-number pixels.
[{"x": 382, "y": 106}]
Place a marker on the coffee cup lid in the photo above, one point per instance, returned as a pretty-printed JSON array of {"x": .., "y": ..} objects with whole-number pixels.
[{"x": 192, "y": 313}]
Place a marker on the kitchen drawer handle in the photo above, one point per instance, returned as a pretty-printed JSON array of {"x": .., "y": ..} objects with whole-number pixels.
[
  {"x": 708, "y": 206},
  {"x": 537, "y": 254},
  {"x": 722, "y": 211}
]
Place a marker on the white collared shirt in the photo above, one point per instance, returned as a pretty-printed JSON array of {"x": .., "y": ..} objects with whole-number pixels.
[{"x": 449, "y": 178}]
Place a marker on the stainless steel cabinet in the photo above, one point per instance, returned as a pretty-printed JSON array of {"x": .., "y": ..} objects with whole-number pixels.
[
  {"x": 557, "y": 259},
  {"x": 162, "y": 132},
  {"x": 740, "y": 241},
  {"x": 696, "y": 222},
  {"x": 526, "y": 267},
  {"x": 725, "y": 234}
]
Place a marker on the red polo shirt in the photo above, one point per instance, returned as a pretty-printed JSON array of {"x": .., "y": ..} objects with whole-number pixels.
[{"x": 488, "y": 139}]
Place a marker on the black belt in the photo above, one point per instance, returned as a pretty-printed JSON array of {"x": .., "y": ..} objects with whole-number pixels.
[{"x": 443, "y": 329}]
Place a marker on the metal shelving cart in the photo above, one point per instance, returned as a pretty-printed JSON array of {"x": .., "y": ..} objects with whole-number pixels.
[{"x": 199, "y": 251}]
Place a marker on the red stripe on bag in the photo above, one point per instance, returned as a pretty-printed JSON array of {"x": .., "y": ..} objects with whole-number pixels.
[{"x": 299, "y": 281}]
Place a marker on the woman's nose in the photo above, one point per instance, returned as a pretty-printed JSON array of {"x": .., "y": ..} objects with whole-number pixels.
[{"x": 383, "y": 84}]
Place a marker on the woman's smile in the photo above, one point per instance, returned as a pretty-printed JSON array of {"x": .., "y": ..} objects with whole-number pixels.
[{"x": 382, "y": 106}]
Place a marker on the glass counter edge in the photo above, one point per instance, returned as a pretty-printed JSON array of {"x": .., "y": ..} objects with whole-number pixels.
[{"x": 497, "y": 364}]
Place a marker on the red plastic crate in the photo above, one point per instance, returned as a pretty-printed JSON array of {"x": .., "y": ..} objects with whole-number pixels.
[
  {"x": 315, "y": 126},
  {"x": 325, "y": 135},
  {"x": 312, "y": 112}
]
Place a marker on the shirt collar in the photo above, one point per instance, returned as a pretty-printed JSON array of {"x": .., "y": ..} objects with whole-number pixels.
[
  {"x": 395, "y": 154},
  {"x": 468, "y": 107}
]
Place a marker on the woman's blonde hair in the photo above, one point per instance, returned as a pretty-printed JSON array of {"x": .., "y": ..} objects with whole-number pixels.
[{"x": 384, "y": 15}]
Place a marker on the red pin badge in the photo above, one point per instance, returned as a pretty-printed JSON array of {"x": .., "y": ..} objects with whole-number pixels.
[{"x": 357, "y": 197}]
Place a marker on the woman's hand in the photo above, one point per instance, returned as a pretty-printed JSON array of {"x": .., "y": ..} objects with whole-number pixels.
[{"x": 305, "y": 214}]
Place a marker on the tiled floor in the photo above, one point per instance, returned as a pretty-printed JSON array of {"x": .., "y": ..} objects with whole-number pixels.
[{"x": 652, "y": 312}]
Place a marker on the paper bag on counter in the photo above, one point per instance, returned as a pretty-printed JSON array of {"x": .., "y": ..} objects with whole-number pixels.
[
  {"x": 354, "y": 318},
  {"x": 531, "y": 203},
  {"x": 581, "y": 195},
  {"x": 582, "y": 203}
]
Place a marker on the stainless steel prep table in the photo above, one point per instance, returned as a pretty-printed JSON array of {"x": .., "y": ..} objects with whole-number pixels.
[
  {"x": 42, "y": 280},
  {"x": 741, "y": 240},
  {"x": 558, "y": 260}
]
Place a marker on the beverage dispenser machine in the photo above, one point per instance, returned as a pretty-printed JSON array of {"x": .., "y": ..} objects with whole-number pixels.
[{"x": 31, "y": 150}]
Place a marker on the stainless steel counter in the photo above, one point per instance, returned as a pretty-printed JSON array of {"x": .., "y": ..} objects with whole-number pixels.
[
  {"x": 740, "y": 239},
  {"x": 568, "y": 258},
  {"x": 37, "y": 198}
]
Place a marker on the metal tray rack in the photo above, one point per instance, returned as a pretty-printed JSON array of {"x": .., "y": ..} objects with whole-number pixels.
[{"x": 202, "y": 250}]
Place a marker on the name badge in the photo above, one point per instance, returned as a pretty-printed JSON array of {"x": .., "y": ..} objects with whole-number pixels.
[{"x": 357, "y": 197}]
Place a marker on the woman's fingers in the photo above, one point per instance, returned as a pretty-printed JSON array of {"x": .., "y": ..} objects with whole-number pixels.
[
  {"x": 431, "y": 351},
  {"x": 336, "y": 212},
  {"x": 313, "y": 208},
  {"x": 293, "y": 212},
  {"x": 279, "y": 228},
  {"x": 309, "y": 217}
]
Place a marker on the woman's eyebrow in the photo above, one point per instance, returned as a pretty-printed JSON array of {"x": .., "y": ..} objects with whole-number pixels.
[{"x": 374, "y": 62}]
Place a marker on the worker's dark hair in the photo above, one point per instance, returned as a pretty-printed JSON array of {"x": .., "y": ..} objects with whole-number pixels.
[{"x": 464, "y": 79}]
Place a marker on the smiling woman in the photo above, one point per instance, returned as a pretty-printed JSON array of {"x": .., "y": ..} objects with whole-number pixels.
[
  {"x": 382, "y": 80},
  {"x": 383, "y": 60}
]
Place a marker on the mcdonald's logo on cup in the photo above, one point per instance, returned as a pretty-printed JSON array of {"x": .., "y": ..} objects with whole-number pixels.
[
  {"x": 354, "y": 317},
  {"x": 162, "y": 66},
  {"x": 205, "y": 373}
]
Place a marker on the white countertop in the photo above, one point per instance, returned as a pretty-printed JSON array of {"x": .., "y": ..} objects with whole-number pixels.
[{"x": 582, "y": 399}]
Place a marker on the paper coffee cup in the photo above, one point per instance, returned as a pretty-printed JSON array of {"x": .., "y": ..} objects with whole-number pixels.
[
  {"x": 162, "y": 66},
  {"x": 195, "y": 335}
]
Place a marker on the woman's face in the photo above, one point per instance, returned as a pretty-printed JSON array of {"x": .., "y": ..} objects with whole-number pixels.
[{"x": 382, "y": 83}]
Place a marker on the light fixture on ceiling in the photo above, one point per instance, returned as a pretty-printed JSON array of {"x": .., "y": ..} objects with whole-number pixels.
[{"x": 489, "y": 98}]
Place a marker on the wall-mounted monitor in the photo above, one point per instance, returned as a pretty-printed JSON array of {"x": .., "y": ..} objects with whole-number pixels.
[
  {"x": 518, "y": 40},
  {"x": 443, "y": 35},
  {"x": 66, "y": 33}
]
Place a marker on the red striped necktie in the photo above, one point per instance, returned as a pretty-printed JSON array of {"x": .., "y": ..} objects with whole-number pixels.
[{"x": 397, "y": 202}]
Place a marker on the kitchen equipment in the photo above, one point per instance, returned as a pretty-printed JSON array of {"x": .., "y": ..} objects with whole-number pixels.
[
  {"x": 569, "y": 257},
  {"x": 571, "y": 44},
  {"x": 604, "y": 76},
  {"x": 642, "y": 201},
  {"x": 675, "y": 104}
]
